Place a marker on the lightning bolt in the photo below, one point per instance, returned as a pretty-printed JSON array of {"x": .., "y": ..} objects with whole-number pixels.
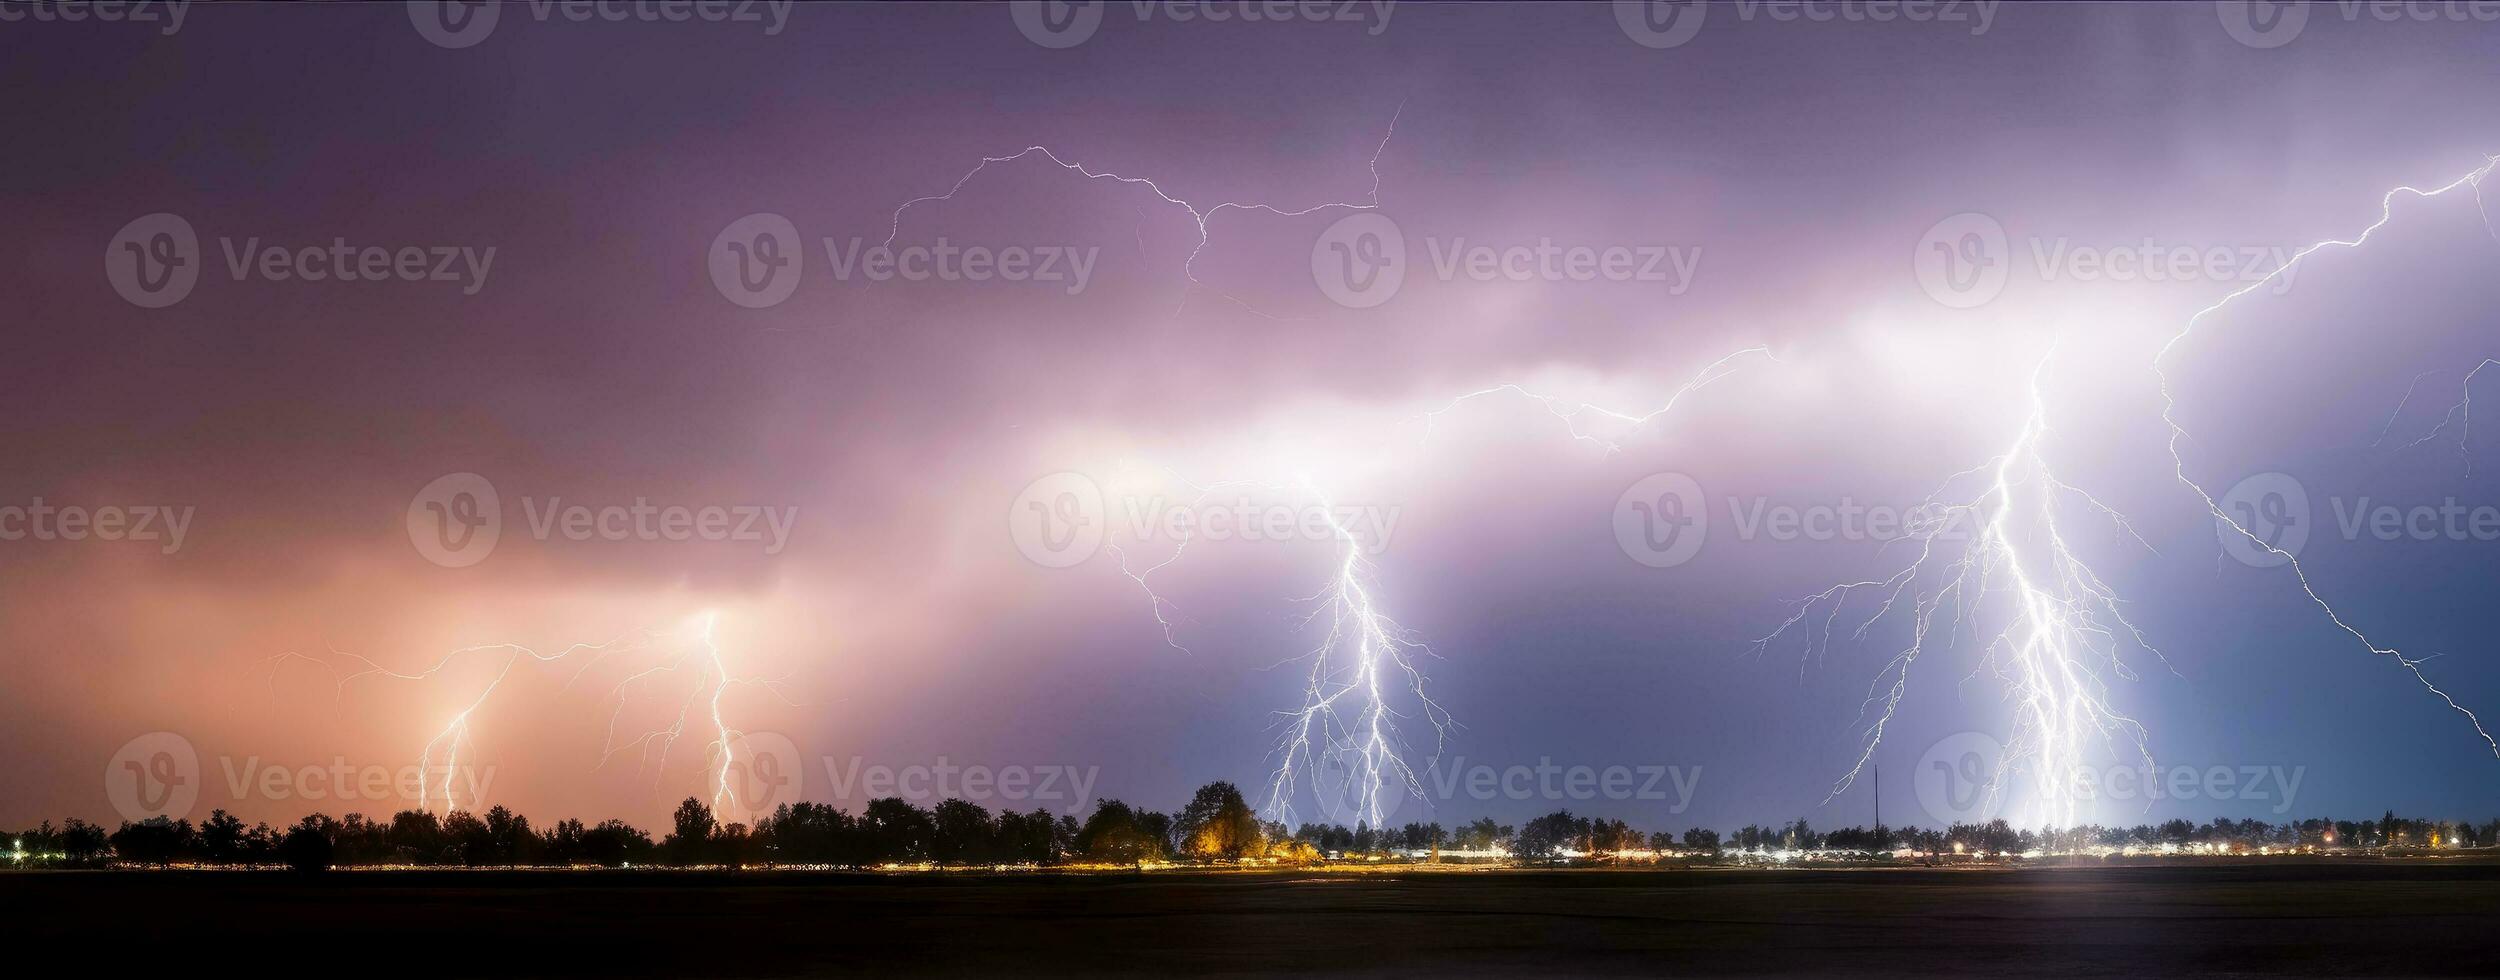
[
  {"x": 2063, "y": 630},
  {"x": 1365, "y": 660},
  {"x": 1571, "y": 411},
  {"x": 2169, "y": 414},
  {"x": 1199, "y": 215},
  {"x": 693, "y": 644},
  {"x": 1362, "y": 647}
]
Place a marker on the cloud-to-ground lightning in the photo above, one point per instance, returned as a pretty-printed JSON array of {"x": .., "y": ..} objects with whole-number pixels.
[
  {"x": 2050, "y": 628},
  {"x": 1346, "y": 711},
  {"x": 690, "y": 645},
  {"x": 1363, "y": 655},
  {"x": 2178, "y": 431}
]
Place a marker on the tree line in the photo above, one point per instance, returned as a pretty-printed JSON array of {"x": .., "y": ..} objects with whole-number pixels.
[{"x": 1217, "y": 826}]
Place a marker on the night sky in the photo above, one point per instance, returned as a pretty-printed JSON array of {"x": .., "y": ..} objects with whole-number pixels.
[{"x": 596, "y": 361}]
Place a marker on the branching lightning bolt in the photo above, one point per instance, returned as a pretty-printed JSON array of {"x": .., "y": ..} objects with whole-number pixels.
[
  {"x": 2169, "y": 413},
  {"x": 1365, "y": 658},
  {"x": 1362, "y": 644},
  {"x": 1198, "y": 215},
  {"x": 2063, "y": 629},
  {"x": 693, "y": 644}
]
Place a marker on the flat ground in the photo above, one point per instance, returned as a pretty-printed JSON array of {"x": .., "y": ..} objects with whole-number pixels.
[{"x": 2402, "y": 917}]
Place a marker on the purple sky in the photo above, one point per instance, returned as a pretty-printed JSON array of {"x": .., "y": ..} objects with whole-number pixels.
[{"x": 597, "y": 363}]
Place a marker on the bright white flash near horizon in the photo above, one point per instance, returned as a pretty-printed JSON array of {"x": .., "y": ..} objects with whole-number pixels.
[{"x": 1995, "y": 572}]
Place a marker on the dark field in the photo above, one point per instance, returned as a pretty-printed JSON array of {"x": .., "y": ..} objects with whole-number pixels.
[{"x": 2415, "y": 918}]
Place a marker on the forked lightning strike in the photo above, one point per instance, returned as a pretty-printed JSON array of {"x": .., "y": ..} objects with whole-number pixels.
[
  {"x": 2169, "y": 413},
  {"x": 1200, "y": 216},
  {"x": 694, "y": 644},
  {"x": 2063, "y": 629},
  {"x": 1361, "y": 645}
]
